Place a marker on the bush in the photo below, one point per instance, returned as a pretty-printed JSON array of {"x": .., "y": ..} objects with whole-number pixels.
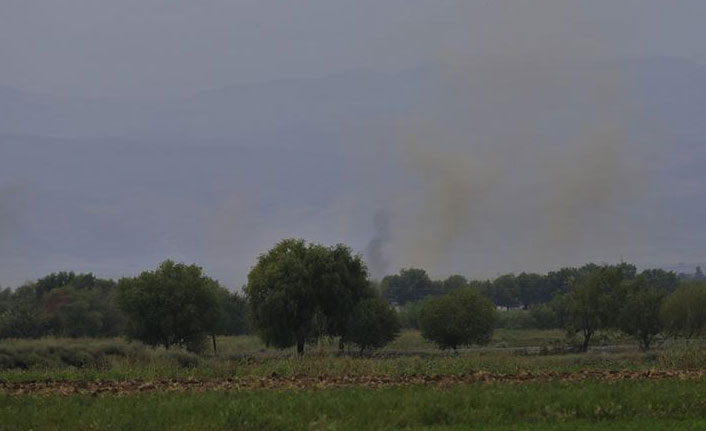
[
  {"x": 515, "y": 319},
  {"x": 409, "y": 315},
  {"x": 51, "y": 353},
  {"x": 183, "y": 359},
  {"x": 683, "y": 359},
  {"x": 174, "y": 305},
  {"x": 640, "y": 317},
  {"x": 683, "y": 313},
  {"x": 460, "y": 318},
  {"x": 544, "y": 317},
  {"x": 373, "y": 325}
]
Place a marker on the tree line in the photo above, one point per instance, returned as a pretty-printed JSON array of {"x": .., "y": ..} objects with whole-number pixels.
[{"x": 299, "y": 293}]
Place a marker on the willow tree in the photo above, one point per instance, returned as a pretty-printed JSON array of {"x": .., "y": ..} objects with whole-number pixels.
[{"x": 299, "y": 292}]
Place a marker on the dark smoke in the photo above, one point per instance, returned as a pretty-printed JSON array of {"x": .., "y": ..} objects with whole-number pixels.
[{"x": 378, "y": 264}]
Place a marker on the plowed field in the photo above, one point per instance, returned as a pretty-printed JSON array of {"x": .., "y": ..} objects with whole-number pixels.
[{"x": 127, "y": 387}]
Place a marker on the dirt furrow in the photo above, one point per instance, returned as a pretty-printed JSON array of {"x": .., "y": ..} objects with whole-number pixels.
[{"x": 125, "y": 387}]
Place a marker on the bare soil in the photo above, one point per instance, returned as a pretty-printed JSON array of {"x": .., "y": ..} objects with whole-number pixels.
[{"x": 128, "y": 387}]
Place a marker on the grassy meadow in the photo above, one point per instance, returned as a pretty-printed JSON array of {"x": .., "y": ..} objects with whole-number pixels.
[{"x": 553, "y": 404}]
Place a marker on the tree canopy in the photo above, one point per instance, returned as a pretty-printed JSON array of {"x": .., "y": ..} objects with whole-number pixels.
[
  {"x": 459, "y": 318},
  {"x": 174, "y": 305},
  {"x": 299, "y": 292}
]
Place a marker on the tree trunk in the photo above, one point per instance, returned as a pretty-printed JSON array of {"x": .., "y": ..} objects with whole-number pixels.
[
  {"x": 215, "y": 350},
  {"x": 341, "y": 345},
  {"x": 300, "y": 347},
  {"x": 586, "y": 340}
]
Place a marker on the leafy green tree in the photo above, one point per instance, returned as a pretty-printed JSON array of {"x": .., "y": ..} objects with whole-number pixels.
[
  {"x": 299, "y": 292},
  {"x": 374, "y": 324},
  {"x": 530, "y": 289},
  {"x": 233, "y": 313},
  {"x": 174, "y": 305},
  {"x": 411, "y": 284},
  {"x": 409, "y": 314},
  {"x": 544, "y": 317},
  {"x": 640, "y": 313},
  {"x": 459, "y": 318},
  {"x": 505, "y": 291},
  {"x": 666, "y": 281},
  {"x": 454, "y": 282},
  {"x": 593, "y": 305},
  {"x": 683, "y": 313},
  {"x": 85, "y": 306},
  {"x": 62, "y": 279},
  {"x": 20, "y": 317}
]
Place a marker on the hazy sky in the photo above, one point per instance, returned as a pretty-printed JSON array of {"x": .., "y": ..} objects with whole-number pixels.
[
  {"x": 471, "y": 137},
  {"x": 149, "y": 48}
]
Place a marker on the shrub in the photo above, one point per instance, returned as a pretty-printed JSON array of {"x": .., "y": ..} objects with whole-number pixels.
[
  {"x": 639, "y": 316},
  {"x": 373, "y": 325},
  {"x": 460, "y": 318},
  {"x": 183, "y": 359},
  {"x": 684, "y": 312},
  {"x": 174, "y": 305},
  {"x": 515, "y": 319},
  {"x": 544, "y": 317},
  {"x": 409, "y": 315}
]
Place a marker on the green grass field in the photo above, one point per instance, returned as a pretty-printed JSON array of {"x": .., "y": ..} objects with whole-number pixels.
[{"x": 553, "y": 404}]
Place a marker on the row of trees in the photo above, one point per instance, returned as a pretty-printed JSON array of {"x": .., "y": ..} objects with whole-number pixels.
[
  {"x": 525, "y": 290},
  {"x": 81, "y": 305},
  {"x": 648, "y": 305},
  {"x": 299, "y": 293}
]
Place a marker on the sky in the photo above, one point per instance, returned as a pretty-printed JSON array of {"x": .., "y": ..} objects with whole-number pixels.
[
  {"x": 152, "y": 49},
  {"x": 463, "y": 137}
]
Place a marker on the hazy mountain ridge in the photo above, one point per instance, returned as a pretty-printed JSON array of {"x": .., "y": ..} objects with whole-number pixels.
[{"x": 119, "y": 184}]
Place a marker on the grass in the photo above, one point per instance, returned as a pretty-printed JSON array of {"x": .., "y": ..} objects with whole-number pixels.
[
  {"x": 245, "y": 356},
  {"x": 550, "y": 405},
  {"x": 540, "y": 405}
]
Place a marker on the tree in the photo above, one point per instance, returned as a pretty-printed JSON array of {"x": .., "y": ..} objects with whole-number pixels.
[
  {"x": 173, "y": 305},
  {"x": 233, "y": 313},
  {"x": 459, "y": 318},
  {"x": 640, "y": 314},
  {"x": 684, "y": 312},
  {"x": 374, "y": 324},
  {"x": 505, "y": 291},
  {"x": 594, "y": 304},
  {"x": 530, "y": 289},
  {"x": 409, "y": 314},
  {"x": 299, "y": 292},
  {"x": 411, "y": 284},
  {"x": 454, "y": 282},
  {"x": 666, "y": 281}
]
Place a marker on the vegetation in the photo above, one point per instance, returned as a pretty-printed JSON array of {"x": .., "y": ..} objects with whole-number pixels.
[
  {"x": 539, "y": 405},
  {"x": 300, "y": 292},
  {"x": 373, "y": 325},
  {"x": 640, "y": 314},
  {"x": 684, "y": 312},
  {"x": 460, "y": 318},
  {"x": 594, "y": 304},
  {"x": 174, "y": 305},
  {"x": 61, "y": 304}
]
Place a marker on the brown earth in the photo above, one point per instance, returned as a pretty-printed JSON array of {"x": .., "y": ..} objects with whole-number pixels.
[{"x": 127, "y": 387}]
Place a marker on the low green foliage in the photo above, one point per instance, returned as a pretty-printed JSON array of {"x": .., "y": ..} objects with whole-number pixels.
[
  {"x": 515, "y": 319},
  {"x": 374, "y": 324},
  {"x": 684, "y": 311},
  {"x": 175, "y": 305},
  {"x": 460, "y": 318},
  {"x": 301, "y": 292},
  {"x": 589, "y": 405}
]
